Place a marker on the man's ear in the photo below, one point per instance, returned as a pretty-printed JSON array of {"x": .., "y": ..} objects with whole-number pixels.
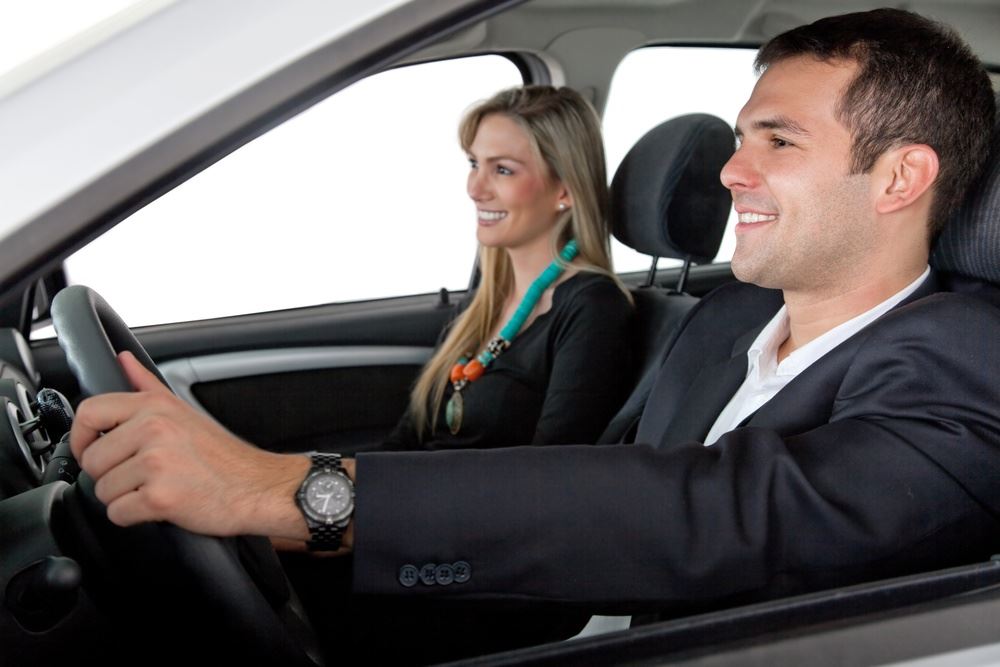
[{"x": 908, "y": 172}]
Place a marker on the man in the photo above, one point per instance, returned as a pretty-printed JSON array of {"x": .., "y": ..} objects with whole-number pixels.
[{"x": 851, "y": 417}]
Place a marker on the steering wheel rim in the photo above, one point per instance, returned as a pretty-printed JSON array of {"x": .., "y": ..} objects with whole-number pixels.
[{"x": 91, "y": 335}]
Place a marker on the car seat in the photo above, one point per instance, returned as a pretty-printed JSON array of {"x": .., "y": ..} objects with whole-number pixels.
[
  {"x": 667, "y": 201},
  {"x": 969, "y": 245}
]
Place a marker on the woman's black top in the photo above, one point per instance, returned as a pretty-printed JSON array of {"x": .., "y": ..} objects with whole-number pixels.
[{"x": 560, "y": 382}]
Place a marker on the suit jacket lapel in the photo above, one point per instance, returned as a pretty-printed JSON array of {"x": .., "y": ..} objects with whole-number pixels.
[
  {"x": 821, "y": 379},
  {"x": 709, "y": 393}
]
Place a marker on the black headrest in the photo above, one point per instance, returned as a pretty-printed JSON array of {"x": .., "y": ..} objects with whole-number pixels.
[
  {"x": 666, "y": 197},
  {"x": 969, "y": 244}
]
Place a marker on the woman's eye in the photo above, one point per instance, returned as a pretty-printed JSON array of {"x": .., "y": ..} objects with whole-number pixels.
[
  {"x": 503, "y": 171},
  {"x": 473, "y": 164}
]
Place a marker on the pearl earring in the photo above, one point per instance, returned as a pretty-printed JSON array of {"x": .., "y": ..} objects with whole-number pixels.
[{"x": 562, "y": 206}]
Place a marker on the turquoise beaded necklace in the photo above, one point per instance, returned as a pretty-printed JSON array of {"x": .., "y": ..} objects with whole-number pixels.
[{"x": 466, "y": 371}]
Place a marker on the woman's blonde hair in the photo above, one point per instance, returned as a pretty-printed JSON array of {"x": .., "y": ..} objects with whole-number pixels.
[{"x": 565, "y": 134}]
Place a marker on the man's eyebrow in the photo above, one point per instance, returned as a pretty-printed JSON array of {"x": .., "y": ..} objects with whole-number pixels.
[{"x": 782, "y": 123}]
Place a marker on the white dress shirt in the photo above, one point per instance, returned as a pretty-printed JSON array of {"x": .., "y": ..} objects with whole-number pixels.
[{"x": 766, "y": 377}]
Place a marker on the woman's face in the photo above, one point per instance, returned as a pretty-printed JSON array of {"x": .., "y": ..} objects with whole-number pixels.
[{"x": 517, "y": 202}]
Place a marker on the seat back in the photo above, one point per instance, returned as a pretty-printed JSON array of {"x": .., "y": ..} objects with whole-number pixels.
[
  {"x": 667, "y": 201},
  {"x": 969, "y": 245}
]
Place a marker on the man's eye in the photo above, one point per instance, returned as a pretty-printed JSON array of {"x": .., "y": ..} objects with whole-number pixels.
[
  {"x": 778, "y": 142},
  {"x": 503, "y": 171}
]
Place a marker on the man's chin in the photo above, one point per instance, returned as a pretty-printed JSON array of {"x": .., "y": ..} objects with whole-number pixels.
[{"x": 755, "y": 273}]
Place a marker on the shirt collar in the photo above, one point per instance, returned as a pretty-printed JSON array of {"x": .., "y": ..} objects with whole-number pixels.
[{"x": 763, "y": 353}]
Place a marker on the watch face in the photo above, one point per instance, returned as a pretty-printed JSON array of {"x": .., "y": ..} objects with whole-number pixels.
[{"x": 328, "y": 497}]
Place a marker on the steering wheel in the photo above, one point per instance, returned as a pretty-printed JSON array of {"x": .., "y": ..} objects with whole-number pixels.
[{"x": 247, "y": 603}]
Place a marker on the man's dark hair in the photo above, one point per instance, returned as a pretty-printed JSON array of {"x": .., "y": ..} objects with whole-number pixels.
[{"x": 917, "y": 82}]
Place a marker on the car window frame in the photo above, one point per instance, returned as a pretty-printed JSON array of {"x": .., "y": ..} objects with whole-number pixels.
[{"x": 31, "y": 320}]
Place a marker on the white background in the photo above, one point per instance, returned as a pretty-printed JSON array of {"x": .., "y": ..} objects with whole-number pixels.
[
  {"x": 362, "y": 196},
  {"x": 30, "y": 27}
]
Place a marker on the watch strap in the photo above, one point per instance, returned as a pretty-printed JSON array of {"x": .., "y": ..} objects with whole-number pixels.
[
  {"x": 322, "y": 460},
  {"x": 325, "y": 536}
]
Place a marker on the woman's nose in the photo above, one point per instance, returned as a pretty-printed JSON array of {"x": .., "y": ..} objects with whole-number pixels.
[{"x": 475, "y": 186}]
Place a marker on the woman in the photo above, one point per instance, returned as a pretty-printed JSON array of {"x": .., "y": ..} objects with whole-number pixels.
[
  {"x": 540, "y": 355},
  {"x": 560, "y": 370}
]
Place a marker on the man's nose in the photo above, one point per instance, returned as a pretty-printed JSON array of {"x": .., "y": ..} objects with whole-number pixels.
[{"x": 739, "y": 172}]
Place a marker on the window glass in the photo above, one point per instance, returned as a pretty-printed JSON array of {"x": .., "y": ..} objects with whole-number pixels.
[
  {"x": 362, "y": 196},
  {"x": 654, "y": 84}
]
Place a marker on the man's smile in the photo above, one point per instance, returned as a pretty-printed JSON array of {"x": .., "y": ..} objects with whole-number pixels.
[{"x": 753, "y": 218}]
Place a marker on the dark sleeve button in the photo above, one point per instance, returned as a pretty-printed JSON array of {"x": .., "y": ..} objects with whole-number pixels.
[
  {"x": 427, "y": 574},
  {"x": 408, "y": 575},
  {"x": 444, "y": 574},
  {"x": 462, "y": 571}
]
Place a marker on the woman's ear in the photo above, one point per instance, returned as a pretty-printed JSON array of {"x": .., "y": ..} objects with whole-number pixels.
[
  {"x": 564, "y": 201},
  {"x": 907, "y": 173}
]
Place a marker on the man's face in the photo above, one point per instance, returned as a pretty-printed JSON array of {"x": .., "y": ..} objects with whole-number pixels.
[{"x": 805, "y": 224}]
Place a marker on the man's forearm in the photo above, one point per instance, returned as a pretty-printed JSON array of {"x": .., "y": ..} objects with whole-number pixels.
[
  {"x": 276, "y": 513},
  {"x": 155, "y": 458}
]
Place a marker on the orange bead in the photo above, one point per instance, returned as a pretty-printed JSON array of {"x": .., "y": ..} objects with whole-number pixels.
[
  {"x": 474, "y": 370},
  {"x": 457, "y": 372}
]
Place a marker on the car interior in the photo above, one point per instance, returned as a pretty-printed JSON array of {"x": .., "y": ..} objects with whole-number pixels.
[
  {"x": 667, "y": 201},
  {"x": 76, "y": 585}
]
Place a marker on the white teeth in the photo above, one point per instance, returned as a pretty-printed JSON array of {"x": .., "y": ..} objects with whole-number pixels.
[
  {"x": 755, "y": 217},
  {"x": 492, "y": 215}
]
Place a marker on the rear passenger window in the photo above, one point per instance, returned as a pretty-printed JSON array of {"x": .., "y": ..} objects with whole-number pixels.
[
  {"x": 360, "y": 197},
  {"x": 657, "y": 83}
]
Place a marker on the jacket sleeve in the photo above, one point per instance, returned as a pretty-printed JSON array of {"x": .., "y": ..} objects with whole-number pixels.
[
  {"x": 591, "y": 362},
  {"x": 901, "y": 475}
]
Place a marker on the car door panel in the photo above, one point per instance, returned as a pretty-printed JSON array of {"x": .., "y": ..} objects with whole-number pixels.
[
  {"x": 334, "y": 377},
  {"x": 335, "y": 398}
]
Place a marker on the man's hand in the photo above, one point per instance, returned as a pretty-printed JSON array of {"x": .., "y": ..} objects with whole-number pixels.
[{"x": 154, "y": 457}]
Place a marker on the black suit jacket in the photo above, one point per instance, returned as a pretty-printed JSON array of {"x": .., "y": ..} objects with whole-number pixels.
[{"x": 881, "y": 458}]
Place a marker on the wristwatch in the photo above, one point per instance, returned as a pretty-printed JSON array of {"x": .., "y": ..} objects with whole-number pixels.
[{"x": 326, "y": 500}]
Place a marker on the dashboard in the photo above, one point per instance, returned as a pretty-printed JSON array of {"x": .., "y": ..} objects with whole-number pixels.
[{"x": 33, "y": 421}]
